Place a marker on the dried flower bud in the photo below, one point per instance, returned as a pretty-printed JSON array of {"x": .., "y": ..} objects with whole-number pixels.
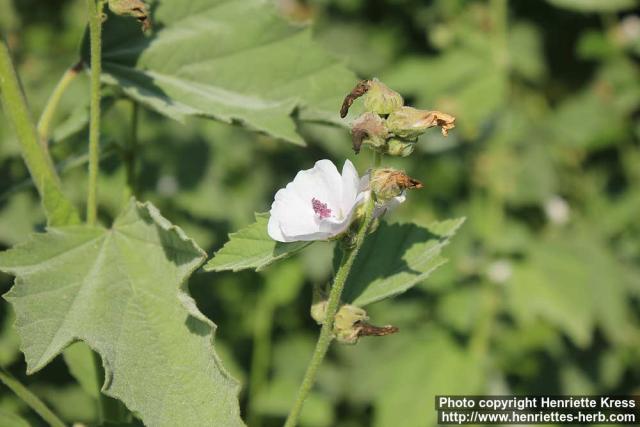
[
  {"x": 346, "y": 324},
  {"x": 380, "y": 99},
  {"x": 387, "y": 183},
  {"x": 369, "y": 129},
  {"x": 410, "y": 123},
  {"x": 135, "y": 8},
  {"x": 399, "y": 147}
]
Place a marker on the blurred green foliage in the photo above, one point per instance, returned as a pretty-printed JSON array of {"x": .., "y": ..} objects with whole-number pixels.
[{"x": 541, "y": 293}]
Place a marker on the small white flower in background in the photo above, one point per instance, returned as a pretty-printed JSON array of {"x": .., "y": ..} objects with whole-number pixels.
[
  {"x": 318, "y": 204},
  {"x": 500, "y": 271},
  {"x": 167, "y": 186},
  {"x": 557, "y": 210}
]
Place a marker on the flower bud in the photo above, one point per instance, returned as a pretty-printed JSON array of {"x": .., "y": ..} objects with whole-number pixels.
[
  {"x": 319, "y": 305},
  {"x": 387, "y": 183},
  {"x": 410, "y": 123},
  {"x": 369, "y": 129},
  {"x": 399, "y": 147},
  {"x": 135, "y": 8},
  {"x": 380, "y": 99},
  {"x": 346, "y": 324}
]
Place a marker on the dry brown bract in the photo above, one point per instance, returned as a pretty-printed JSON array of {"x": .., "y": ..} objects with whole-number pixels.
[{"x": 361, "y": 88}]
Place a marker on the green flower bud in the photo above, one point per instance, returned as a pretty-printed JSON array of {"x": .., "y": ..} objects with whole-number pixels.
[
  {"x": 387, "y": 183},
  {"x": 410, "y": 123},
  {"x": 399, "y": 147},
  {"x": 380, "y": 99},
  {"x": 319, "y": 305},
  {"x": 135, "y": 8},
  {"x": 369, "y": 129}
]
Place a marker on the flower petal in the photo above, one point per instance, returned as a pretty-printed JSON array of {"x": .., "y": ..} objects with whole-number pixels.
[
  {"x": 350, "y": 186},
  {"x": 322, "y": 182},
  {"x": 273, "y": 229},
  {"x": 292, "y": 214}
]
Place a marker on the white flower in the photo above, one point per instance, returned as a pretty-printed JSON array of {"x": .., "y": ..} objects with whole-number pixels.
[
  {"x": 317, "y": 205},
  {"x": 557, "y": 210}
]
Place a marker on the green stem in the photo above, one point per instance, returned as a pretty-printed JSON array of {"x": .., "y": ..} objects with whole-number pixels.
[
  {"x": 46, "y": 118},
  {"x": 377, "y": 159},
  {"x": 94, "y": 8},
  {"x": 333, "y": 303},
  {"x": 57, "y": 207},
  {"x": 30, "y": 399},
  {"x": 130, "y": 153}
]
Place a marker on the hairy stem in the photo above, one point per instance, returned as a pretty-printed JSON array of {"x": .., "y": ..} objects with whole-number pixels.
[
  {"x": 58, "y": 208},
  {"x": 333, "y": 303},
  {"x": 94, "y": 8},
  {"x": 46, "y": 118}
]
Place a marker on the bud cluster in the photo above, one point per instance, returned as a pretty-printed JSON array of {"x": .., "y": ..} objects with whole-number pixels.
[{"x": 388, "y": 126}]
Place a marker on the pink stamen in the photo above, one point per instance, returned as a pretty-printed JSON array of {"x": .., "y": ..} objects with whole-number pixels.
[{"x": 320, "y": 208}]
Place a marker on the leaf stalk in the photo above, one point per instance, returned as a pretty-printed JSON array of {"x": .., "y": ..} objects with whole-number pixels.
[
  {"x": 94, "y": 8},
  {"x": 57, "y": 207},
  {"x": 46, "y": 118}
]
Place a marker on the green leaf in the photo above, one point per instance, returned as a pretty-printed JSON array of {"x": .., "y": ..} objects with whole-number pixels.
[
  {"x": 234, "y": 61},
  {"x": 575, "y": 284},
  {"x": 395, "y": 258},
  {"x": 122, "y": 291},
  {"x": 430, "y": 364},
  {"x": 30, "y": 399},
  {"x": 595, "y": 5},
  {"x": 403, "y": 376},
  {"x": 252, "y": 248}
]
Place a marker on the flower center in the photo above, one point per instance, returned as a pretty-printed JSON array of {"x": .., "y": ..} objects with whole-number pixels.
[{"x": 320, "y": 208}]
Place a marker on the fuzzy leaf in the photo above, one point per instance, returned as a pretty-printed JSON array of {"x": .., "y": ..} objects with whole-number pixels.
[
  {"x": 395, "y": 258},
  {"x": 203, "y": 59},
  {"x": 122, "y": 292},
  {"x": 252, "y": 248},
  {"x": 595, "y": 5}
]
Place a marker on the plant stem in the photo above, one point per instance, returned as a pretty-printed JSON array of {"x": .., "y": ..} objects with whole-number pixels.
[
  {"x": 333, "y": 303},
  {"x": 30, "y": 399},
  {"x": 44, "y": 123},
  {"x": 94, "y": 8},
  {"x": 57, "y": 207},
  {"x": 377, "y": 159}
]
